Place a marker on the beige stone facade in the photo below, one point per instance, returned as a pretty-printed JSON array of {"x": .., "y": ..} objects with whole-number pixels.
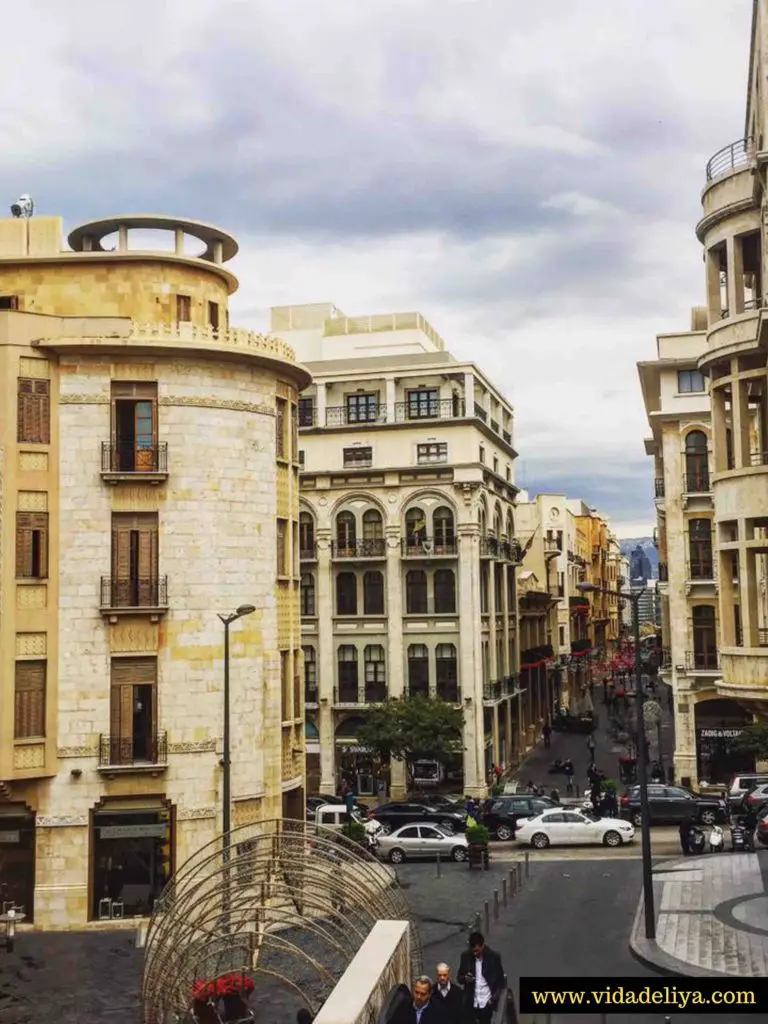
[
  {"x": 407, "y": 541},
  {"x": 149, "y": 471}
]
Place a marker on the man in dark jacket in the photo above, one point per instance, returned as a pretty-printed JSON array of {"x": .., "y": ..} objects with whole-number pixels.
[
  {"x": 482, "y": 975},
  {"x": 447, "y": 997},
  {"x": 420, "y": 1009}
]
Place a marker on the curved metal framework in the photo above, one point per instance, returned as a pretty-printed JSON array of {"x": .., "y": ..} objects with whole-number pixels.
[
  {"x": 293, "y": 904},
  {"x": 730, "y": 158}
]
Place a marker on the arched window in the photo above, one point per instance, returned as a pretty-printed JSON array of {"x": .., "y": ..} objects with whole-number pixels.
[
  {"x": 373, "y": 533},
  {"x": 704, "y": 637},
  {"x": 347, "y": 662},
  {"x": 346, "y": 594},
  {"x": 497, "y": 523},
  {"x": 418, "y": 670},
  {"x": 375, "y": 670},
  {"x": 482, "y": 521},
  {"x": 446, "y": 673},
  {"x": 415, "y": 527},
  {"x": 445, "y": 533},
  {"x": 445, "y": 592},
  {"x": 346, "y": 533},
  {"x": 700, "y": 549},
  {"x": 310, "y": 675},
  {"x": 416, "y": 592},
  {"x": 696, "y": 463},
  {"x": 307, "y": 595},
  {"x": 306, "y": 536},
  {"x": 373, "y": 593},
  {"x": 510, "y": 528}
]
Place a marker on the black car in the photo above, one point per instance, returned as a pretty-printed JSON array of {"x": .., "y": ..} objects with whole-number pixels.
[
  {"x": 392, "y": 816},
  {"x": 670, "y": 805},
  {"x": 506, "y": 811}
]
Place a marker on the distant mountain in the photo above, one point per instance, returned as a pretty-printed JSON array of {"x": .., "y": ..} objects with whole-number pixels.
[{"x": 649, "y": 550}]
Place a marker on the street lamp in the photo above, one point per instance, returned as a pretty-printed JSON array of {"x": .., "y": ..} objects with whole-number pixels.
[
  {"x": 226, "y": 764},
  {"x": 642, "y": 756}
]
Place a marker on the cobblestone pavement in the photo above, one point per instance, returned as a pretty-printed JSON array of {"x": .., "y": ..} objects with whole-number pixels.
[{"x": 711, "y": 917}]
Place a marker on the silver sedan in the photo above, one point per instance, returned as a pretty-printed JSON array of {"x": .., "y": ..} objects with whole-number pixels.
[{"x": 410, "y": 842}]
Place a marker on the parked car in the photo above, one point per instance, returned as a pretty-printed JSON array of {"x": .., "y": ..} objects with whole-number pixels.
[
  {"x": 740, "y": 785},
  {"x": 313, "y": 802},
  {"x": 410, "y": 842},
  {"x": 403, "y": 812},
  {"x": 507, "y": 811},
  {"x": 761, "y": 832},
  {"x": 755, "y": 798},
  {"x": 670, "y": 805},
  {"x": 565, "y": 827},
  {"x": 450, "y": 801}
]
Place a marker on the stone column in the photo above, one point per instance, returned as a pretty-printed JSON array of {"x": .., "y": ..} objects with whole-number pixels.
[
  {"x": 748, "y": 595},
  {"x": 740, "y": 415},
  {"x": 469, "y": 394},
  {"x": 713, "y": 287},
  {"x": 320, "y": 405},
  {"x": 719, "y": 429},
  {"x": 395, "y": 651},
  {"x": 390, "y": 398},
  {"x": 735, "y": 276},
  {"x": 470, "y": 659},
  {"x": 326, "y": 662},
  {"x": 685, "y": 734}
]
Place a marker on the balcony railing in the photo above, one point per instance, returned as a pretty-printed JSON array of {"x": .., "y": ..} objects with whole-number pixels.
[
  {"x": 133, "y": 750},
  {"x": 663, "y": 572},
  {"x": 308, "y": 553},
  {"x": 758, "y": 458},
  {"x": 349, "y": 695},
  {"x": 729, "y": 158},
  {"x": 481, "y": 413},
  {"x": 310, "y": 694},
  {"x": 762, "y": 637},
  {"x": 696, "y": 483},
  {"x": 134, "y": 592},
  {"x": 433, "y": 409},
  {"x": 428, "y": 547},
  {"x": 495, "y": 425},
  {"x": 495, "y": 690},
  {"x": 374, "y": 547},
  {"x": 510, "y": 551},
  {"x": 658, "y": 487},
  {"x": 702, "y": 661},
  {"x": 134, "y": 459},
  {"x": 506, "y": 434},
  {"x": 375, "y": 693},
  {"x": 489, "y": 547},
  {"x": 703, "y": 570},
  {"x": 449, "y": 692},
  {"x": 341, "y": 416}
]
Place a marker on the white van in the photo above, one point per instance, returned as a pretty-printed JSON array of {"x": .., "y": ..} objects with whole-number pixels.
[{"x": 335, "y": 816}]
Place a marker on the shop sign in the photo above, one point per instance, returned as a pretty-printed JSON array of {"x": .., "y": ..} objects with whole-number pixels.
[
  {"x": 132, "y": 831},
  {"x": 10, "y": 837},
  {"x": 720, "y": 734},
  {"x": 355, "y": 750}
]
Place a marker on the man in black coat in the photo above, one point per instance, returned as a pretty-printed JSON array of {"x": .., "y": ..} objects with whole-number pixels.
[
  {"x": 482, "y": 975},
  {"x": 419, "y": 1009},
  {"x": 447, "y": 997}
]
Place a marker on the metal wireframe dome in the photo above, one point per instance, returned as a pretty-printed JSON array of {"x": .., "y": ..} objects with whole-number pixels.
[{"x": 293, "y": 905}]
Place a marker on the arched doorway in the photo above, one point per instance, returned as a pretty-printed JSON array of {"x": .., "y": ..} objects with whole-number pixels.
[
  {"x": 718, "y": 723},
  {"x": 17, "y": 858}
]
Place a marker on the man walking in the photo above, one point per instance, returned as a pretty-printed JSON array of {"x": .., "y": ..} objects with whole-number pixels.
[
  {"x": 481, "y": 972},
  {"x": 447, "y": 997},
  {"x": 420, "y": 1009},
  {"x": 546, "y": 732},
  {"x": 591, "y": 748}
]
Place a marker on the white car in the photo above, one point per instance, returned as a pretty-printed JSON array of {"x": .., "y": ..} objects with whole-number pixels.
[
  {"x": 410, "y": 842},
  {"x": 572, "y": 828}
]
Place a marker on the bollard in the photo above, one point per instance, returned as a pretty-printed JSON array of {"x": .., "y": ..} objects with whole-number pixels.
[
  {"x": 527, "y": 864},
  {"x": 487, "y": 917},
  {"x": 504, "y": 899},
  {"x": 476, "y": 925},
  {"x": 495, "y": 904},
  {"x": 438, "y": 865}
]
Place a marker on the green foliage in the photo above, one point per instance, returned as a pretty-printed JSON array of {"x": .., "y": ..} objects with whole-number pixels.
[
  {"x": 413, "y": 728},
  {"x": 754, "y": 741},
  {"x": 355, "y": 831},
  {"x": 478, "y": 835},
  {"x": 610, "y": 786},
  {"x": 497, "y": 790}
]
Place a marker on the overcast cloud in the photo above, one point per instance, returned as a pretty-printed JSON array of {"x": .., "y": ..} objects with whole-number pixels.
[{"x": 526, "y": 175}]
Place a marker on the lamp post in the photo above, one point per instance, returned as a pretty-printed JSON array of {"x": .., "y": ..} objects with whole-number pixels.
[
  {"x": 226, "y": 762},
  {"x": 642, "y": 757}
]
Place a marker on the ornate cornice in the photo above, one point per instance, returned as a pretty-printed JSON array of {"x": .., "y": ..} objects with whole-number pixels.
[
  {"x": 195, "y": 813},
  {"x": 257, "y": 409},
  {"x": 63, "y": 752},
  {"x": 61, "y": 821},
  {"x": 197, "y": 747}
]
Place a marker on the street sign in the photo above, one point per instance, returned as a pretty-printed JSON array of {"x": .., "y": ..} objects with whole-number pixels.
[{"x": 651, "y": 712}]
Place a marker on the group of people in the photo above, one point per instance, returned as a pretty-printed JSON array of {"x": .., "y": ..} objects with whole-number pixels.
[{"x": 470, "y": 999}]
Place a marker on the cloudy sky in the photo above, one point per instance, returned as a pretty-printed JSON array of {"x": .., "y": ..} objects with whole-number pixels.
[{"x": 527, "y": 175}]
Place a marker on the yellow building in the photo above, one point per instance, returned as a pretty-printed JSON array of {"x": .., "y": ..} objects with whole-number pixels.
[{"x": 149, "y": 471}]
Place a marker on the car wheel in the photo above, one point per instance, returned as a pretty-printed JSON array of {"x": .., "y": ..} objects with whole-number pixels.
[
  {"x": 385, "y": 829},
  {"x": 611, "y": 839},
  {"x": 396, "y": 856},
  {"x": 459, "y": 853},
  {"x": 504, "y": 832},
  {"x": 637, "y": 819},
  {"x": 708, "y": 817},
  {"x": 540, "y": 841}
]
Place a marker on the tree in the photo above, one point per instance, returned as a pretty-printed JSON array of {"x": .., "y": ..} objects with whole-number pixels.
[
  {"x": 413, "y": 728},
  {"x": 754, "y": 741}
]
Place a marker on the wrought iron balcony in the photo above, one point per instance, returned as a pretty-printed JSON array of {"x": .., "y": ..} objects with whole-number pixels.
[
  {"x": 308, "y": 553},
  {"x": 374, "y": 547},
  {"x": 702, "y": 570},
  {"x": 697, "y": 483},
  {"x": 733, "y": 157},
  {"x": 511, "y": 551},
  {"x": 480, "y": 412},
  {"x": 136, "y": 461},
  {"x": 133, "y": 751},
  {"x": 762, "y": 637},
  {"x": 495, "y": 691},
  {"x": 418, "y": 688},
  {"x": 342, "y": 416},
  {"x": 131, "y": 593},
  {"x": 375, "y": 693},
  {"x": 429, "y": 547},
  {"x": 495, "y": 426},
  {"x": 758, "y": 458},
  {"x": 489, "y": 547},
  {"x": 450, "y": 692},
  {"x": 702, "y": 661},
  {"x": 347, "y": 696},
  {"x": 658, "y": 487},
  {"x": 430, "y": 409},
  {"x": 506, "y": 434}
]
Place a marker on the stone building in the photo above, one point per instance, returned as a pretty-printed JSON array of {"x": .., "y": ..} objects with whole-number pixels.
[
  {"x": 149, "y": 470},
  {"x": 407, "y": 541}
]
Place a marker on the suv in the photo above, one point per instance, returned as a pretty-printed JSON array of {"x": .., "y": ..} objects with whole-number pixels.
[
  {"x": 406, "y": 812},
  {"x": 506, "y": 811},
  {"x": 740, "y": 785},
  {"x": 670, "y": 805}
]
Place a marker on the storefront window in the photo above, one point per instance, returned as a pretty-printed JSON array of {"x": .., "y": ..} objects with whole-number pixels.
[
  {"x": 132, "y": 861},
  {"x": 17, "y": 860}
]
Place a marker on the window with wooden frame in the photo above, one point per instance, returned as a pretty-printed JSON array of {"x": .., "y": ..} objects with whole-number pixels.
[
  {"x": 418, "y": 670},
  {"x": 32, "y": 545},
  {"x": 135, "y": 582},
  {"x": 183, "y": 309},
  {"x": 307, "y": 595},
  {"x": 285, "y": 686},
  {"x": 33, "y": 411},
  {"x": 280, "y": 416},
  {"x": 134, "y": 427},
  {"x": 310, "y": 674},
  {"x": 29, "y": 700},
  {"x": 432, "y": 452},
  {"x": 354, "y": 458},
  {"x": 362, "y": 407},
  {"x": 133, "y": 734},
  {"x": 306, "y": 412},
  {"x": 282, "y": 548}
]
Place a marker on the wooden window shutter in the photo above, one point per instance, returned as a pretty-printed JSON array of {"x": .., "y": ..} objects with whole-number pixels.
[
  {"x": 29, "y": 697},
  {"x": 146, "y": 390},
  {"x": 134, "y": 671},
  {"x": 23, "y": 545},
  {"x": 34, "y": 411},
  {"x": 41, "y": 525}
]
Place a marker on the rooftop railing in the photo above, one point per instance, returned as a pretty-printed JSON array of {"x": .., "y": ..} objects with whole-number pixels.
[{"x": 730, "y": 158}]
